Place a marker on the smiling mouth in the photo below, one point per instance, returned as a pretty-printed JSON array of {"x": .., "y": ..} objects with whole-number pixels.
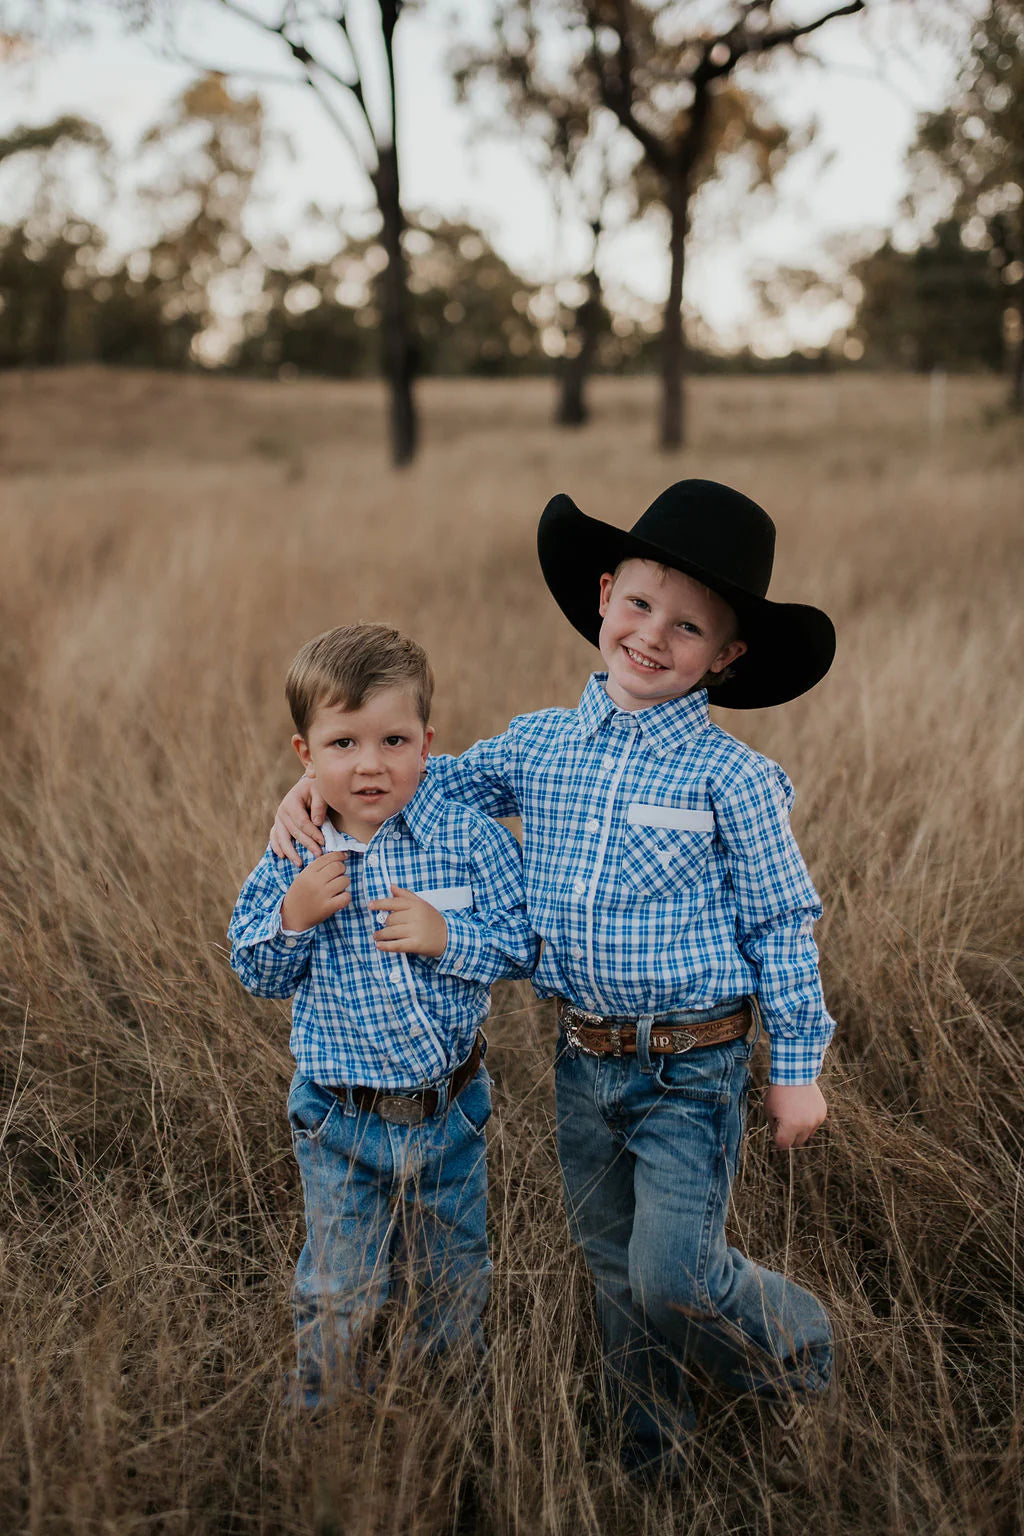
[
  {"x": 643, "y": 661},
  {"x": 369, "y": 794}
]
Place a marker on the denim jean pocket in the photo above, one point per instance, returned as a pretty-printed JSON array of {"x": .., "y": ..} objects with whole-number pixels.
[
  {"x": 710, "y": 1072},
  {"x": 473, "y": 1105},
  {"x": 659, "y": 860},
  {"x": 309, "y": 1109}
]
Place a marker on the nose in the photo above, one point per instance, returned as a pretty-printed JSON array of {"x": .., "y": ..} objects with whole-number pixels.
[
  {"x": 653, "y": 631},
  {"x": 370, "y": 759}
]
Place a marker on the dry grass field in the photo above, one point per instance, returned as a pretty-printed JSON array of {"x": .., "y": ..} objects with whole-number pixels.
[{"x": 167, "y": 545}]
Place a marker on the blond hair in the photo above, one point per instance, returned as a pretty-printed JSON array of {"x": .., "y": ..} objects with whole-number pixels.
[{"x": 349, "y": 664}]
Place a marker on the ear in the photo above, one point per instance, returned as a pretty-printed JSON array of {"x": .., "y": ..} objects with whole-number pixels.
[
  {"x": 607, "y": 582},
  {"x": 302, "y": 748},
  {"x": 428, "y": 736},
  {"x": 728, "y": 654}
]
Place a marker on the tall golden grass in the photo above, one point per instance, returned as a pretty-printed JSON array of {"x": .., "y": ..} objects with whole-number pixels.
[{"x": 167, "y": 545}]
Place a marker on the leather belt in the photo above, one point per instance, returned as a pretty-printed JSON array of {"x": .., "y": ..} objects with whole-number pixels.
[
  {"x": 600, "y": 1035},
  {"x": 412, "y": 1108}
]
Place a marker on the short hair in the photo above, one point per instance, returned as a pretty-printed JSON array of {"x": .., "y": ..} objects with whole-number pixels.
[{"x": 349, "y": 664}]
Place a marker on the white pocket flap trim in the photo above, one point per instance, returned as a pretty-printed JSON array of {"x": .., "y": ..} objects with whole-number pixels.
[
  {"x": 639, "y": 814},
  {"x": 449, "y": 898}
]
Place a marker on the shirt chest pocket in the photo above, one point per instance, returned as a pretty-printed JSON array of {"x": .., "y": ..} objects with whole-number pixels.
[
  {"x": 664, "y": 848},
  {"x": 449, "y": 898}
]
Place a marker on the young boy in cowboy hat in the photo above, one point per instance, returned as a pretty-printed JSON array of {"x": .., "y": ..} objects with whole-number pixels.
[{"x": 675, "y": 910}]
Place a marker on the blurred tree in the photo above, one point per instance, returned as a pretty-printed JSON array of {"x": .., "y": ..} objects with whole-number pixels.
[
  {"x": 64, "y": 299},
  {"x": 938, "y": 306},
  {"x": 201, "y": 159},
  {"x": 969, "y": 162},
  {"x": 332, "y": 57},
  {"x": 314, "y": 38},
  {"x": 472, "y": 312},
  {"x": 557, "y": 120},
  {"x": 661, "y": 73}
]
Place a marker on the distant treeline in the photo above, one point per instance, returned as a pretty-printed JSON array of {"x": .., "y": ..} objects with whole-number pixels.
[{"x": 199, "y": 293}]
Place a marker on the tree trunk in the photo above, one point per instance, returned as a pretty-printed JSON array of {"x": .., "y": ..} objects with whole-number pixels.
[
  {"x": 573, "y": 410},
  {"x": 673, "y": 340},
  {"x": 396, "y": 322},
  {"x": 1017, "y": 368}
]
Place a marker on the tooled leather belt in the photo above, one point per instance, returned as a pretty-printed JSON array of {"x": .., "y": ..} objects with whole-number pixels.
[
  {"x": 600, "y": 1035},
  {"x": 417, "y": 1105}
]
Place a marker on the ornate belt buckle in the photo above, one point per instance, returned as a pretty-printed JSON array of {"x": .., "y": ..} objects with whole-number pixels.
[
  {"x": 396, "y": 1109},
  {"x": 676, "y": 1042},
  {"x": 572, "y": 1018}
]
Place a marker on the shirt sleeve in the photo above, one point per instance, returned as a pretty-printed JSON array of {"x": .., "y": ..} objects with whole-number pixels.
[
  {"x": 776, "y": 909},
  {"x": 268, "y": 962},
  {"x": 482, "y": 777},
  {"x": 495, "y": 939}
]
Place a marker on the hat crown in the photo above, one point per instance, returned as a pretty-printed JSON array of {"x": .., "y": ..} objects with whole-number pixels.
[{"x": 704, "y": 524}]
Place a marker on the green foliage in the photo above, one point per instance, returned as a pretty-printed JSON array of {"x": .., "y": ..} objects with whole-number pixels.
[
  {"x": 969, "y": 161},
  {"x": 471, "y": 311},
  {"x": 939, "y": 306}
]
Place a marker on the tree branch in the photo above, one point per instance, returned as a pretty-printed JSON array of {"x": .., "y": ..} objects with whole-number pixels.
[
  {"x": 307, "y": 64},
  {"x": 764, "y": 42}
]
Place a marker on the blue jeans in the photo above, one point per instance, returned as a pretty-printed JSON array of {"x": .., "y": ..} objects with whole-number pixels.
[
  {"x": 391, "y": 1210},
  {"x": 649, "y": 1146}
]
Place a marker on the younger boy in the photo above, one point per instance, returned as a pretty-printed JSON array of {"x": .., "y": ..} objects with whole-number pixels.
[
  {"x": 388, "y": 944},
  {"x": 675, "y": 909}
]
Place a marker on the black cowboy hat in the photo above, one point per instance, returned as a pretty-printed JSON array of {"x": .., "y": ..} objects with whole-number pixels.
[{"x": 720, "y": 538}]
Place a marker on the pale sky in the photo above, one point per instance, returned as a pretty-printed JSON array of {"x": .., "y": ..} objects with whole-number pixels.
[{"x": 865, "y": 100}]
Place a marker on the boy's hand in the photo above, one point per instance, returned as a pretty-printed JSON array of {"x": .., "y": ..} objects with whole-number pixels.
[
  {"x": 413, "y": 926},
  {"x": 293, "y": 822},
  {"x": 321, "y": 890},
  {"x": 794, "y": 1112}
]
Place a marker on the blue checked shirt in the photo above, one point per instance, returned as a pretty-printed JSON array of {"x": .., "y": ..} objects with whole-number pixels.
[
  {"x": 659, "y": 864},
  {"x": 394, "y": 1021}
]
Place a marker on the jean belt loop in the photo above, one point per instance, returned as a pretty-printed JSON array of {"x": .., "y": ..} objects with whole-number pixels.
[
  {"x": 643, "y": 1043},
  {"x": 348, "y": 1103},
  {"x": 755, "y": 1008},
  {"x": 444, "y": 1089}
]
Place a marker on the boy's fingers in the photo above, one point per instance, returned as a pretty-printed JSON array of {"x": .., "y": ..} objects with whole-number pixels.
[
  {"x": 317, "y": 808},
  {"x": 284, "y": 847}
]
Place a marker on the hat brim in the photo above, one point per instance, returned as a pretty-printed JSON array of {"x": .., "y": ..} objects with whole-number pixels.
[{"x": 790, "y": 645}]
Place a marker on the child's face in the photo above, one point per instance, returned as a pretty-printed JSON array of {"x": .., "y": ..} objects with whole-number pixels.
[
  {"x": 662, "y": 632},
  {"x": 367, "y": 762}
]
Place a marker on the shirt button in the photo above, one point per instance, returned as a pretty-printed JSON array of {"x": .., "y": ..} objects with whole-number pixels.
[
  {"x": 607, "y": 762},
  {"x": 593, "y": 825},
  {"x": 397, "y": 978},
  {"x": 576, "y": 952},
  {"x": 579, "y": 887},
  {"x": 290, "y": 943}
]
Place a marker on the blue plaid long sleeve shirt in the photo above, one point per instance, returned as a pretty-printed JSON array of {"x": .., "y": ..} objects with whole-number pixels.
[
  {"x": 391, "y": 1020},
  {"x": 659, "y": 864}
]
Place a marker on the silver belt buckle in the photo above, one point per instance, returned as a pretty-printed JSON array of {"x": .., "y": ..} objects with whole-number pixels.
[
  {"x": 397, "y": 1110},
  {"x": 572, "y": 1018}
]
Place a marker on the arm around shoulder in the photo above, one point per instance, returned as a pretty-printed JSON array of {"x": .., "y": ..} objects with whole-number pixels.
[{"x": 495, "y": 939}]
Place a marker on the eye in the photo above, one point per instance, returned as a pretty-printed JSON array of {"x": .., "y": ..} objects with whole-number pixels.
[
  {"x": 393, "y": 741},
  {"x": 642, "y": 603},
  {"x": 691, "y": 629},
  {"x": 342, "y": 741}
]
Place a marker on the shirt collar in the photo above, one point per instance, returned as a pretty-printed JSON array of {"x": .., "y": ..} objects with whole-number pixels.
[
  {"x": 421, "y": 815},
  {"x": 668, "y": 726}
]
